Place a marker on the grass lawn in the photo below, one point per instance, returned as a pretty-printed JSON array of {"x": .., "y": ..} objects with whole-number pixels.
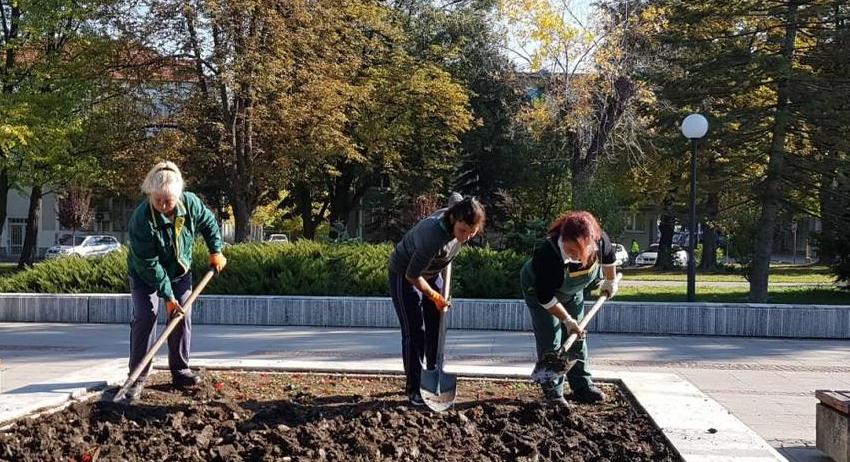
[
  {"x": 791, "y": 295},
  {"x": 809, "y": 274}
]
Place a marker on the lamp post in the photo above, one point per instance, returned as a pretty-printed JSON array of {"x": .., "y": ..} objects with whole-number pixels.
[{"x": 694, "y": 127}]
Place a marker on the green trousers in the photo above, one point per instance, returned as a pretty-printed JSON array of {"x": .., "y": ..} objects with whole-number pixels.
[{"x": 550, "y": 333}]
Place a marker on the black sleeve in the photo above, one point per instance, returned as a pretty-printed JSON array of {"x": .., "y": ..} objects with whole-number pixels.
[
  {"x": 606, "y": 252},
  {"x": 548, "y": 272}
]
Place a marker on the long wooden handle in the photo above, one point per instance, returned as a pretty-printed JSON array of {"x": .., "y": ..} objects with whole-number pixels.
[
  {"x": 164, "y": 336},
  {"x": 589, "y": 316},
  {"x": 441, "y": 336},
  {"x": 447, "y": 282}
]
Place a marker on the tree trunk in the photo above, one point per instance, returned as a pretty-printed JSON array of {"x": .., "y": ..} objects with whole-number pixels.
[
  {"x": 583, "y": 165},
  {"x": 665, "y": 242},
  {"x": 582, "y": 179},
  {"x": 4, "y": 195},
  {"x": 772, "y": 188},
  {"x": 9, "y": 64},
  {"x": 666, "y": 228},
  {"x": 31, "y": 236},
  {"x": 242, "y": 218},
  {"x": 244, "y": 193},
  {"x": 304, "y": 205},
  {"x": 830, "y": 208},
  {"x": 308, "y": 223},
  {"x": 339, "y": 192},
  {"x": 709, "y": 234},
  {"x": 709, "y": 248}
]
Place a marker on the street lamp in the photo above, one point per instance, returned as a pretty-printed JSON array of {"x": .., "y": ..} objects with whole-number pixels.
[{"x": 694, "y": 127}]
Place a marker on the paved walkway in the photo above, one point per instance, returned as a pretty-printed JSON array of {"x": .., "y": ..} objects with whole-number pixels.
[{"x": 767, "y": 383}]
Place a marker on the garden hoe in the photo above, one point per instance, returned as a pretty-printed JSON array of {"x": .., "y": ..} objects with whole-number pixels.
[
  {"x": 438, "y": 389},
  {"x": 555, "y": 365},
  {"x": 164, "y": 336}
]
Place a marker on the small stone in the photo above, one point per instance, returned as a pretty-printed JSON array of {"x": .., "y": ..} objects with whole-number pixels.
[
  {"x": 227, "y": 452},
  {"x": 712, "y": 430},
  {"x": 283, "y": 428},
  {"x": 203, "y": 438}
]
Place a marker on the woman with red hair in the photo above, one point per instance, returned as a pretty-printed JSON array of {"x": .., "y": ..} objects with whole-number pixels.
[{"x": 575, "y": 254}]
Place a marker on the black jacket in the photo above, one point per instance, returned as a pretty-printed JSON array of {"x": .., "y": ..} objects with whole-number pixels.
[{"x": 548, "y": 265}]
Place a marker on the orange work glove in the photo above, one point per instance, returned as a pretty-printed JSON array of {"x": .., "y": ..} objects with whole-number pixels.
[
  {"x": 439, "y": 301},
  {"x": 218, "y": 262},
  {"x": 173, "y": 307}
]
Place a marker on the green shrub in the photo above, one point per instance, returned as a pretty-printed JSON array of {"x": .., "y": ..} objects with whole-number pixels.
[
  {"x": 301, "y": 268},
  {"x": 72, "y": 275},
  {"x": 719, "y": 254},
  {"x": 487, "y": 273}
]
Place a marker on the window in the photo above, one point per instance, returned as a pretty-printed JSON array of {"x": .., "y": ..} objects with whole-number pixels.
[
  {"x": 102, "y": 226},
  {"x": 635, "y": 223},
  {"x": 17, "y": 231},
  {"x": 69, "y": 239},
  {"x": 107, "y": 240}
]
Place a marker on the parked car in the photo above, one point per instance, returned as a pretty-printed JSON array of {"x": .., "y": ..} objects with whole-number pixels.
[
  {"x": 278, "y": 238},
  {"x": 83, "y": 246},
  {"x": 621, "y": 254},
  {"x": 650, "y": 256}
]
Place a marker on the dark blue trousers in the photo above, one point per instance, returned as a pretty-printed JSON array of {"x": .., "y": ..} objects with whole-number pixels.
[
  {"x": 143, "y": 323},
  {"x": 420, "y": 327}
]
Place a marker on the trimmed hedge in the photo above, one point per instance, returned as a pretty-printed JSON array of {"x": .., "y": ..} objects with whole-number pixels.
[
  {"x": 72, "y": 275},
  {"x": 301, "y": 268}
]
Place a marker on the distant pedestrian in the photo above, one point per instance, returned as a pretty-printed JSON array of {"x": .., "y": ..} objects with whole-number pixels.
[{"x": 634, "y": 251}]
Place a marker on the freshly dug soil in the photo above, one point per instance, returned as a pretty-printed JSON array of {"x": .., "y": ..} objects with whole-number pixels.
[{"x": 280, "y": 417}]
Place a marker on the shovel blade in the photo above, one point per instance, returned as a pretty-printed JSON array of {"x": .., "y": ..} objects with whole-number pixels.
[
  {"x": 438, "y": 389},
  {"x": 544, "y": 374},
  {"x": 552, "y": 367}
]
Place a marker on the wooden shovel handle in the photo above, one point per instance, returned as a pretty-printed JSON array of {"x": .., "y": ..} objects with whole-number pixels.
[{"x": 589, "y": 316}]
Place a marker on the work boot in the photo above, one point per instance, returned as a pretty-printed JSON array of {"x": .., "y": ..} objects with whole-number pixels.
[
  {"x": 415, "y": 399},
  {"x": 185, "y": 378},
  {"x": 589, "y": 395},
  {"x": 551, "y": 395}
]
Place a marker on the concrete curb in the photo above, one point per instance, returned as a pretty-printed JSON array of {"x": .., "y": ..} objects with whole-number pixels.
[{"x": 714, "y": 319}]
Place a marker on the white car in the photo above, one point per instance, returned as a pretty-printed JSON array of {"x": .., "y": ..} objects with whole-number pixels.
[
  {"x": 278, "y": 238},
  {"x": 650, "y": 256},
  {"x": 83, "y": 246},
  {"x": 621, "y": 254}
]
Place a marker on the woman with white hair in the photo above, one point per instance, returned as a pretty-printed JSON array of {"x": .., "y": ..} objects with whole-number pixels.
[{"x": 162, "y": 234}]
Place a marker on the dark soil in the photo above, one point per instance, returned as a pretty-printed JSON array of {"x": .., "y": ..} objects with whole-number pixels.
[{"x": 278, "y": 417}]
